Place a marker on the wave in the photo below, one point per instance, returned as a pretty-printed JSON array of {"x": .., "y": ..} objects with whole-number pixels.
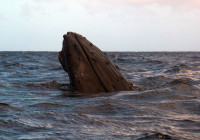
[
  {"x": 5, "y": 106},
  {"x": 186, "y": 81},
  {"x": 50, "y": 85},
  {"x": 47, "y": 105},
  {"x": 155, "y": 136},
  {"x": 177, "y": 68}
]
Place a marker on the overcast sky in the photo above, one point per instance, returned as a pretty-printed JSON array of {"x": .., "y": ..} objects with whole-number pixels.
[{"x": 112, "y": 25}]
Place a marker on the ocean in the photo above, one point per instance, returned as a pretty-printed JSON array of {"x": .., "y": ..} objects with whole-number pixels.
[{"x": 165, "y": 102}]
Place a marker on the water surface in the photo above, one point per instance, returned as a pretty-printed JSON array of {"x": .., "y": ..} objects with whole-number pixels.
[{"x": 165, "y": 103}]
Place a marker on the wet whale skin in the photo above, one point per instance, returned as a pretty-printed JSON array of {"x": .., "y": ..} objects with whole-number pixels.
[{"x": 89, "y": 69}]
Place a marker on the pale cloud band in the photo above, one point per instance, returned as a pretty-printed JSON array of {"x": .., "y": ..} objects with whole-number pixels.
[{"x": 113, "y": 6}]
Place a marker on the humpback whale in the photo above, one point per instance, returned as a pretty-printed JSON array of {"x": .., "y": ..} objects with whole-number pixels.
[{"x": 89, "y": 69}]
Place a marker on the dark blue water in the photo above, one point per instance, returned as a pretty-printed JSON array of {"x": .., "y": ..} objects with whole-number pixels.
[{"x": 165, "y": 103}]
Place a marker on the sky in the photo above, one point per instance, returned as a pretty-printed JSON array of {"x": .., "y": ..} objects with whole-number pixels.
[{"x": 112, "y": 25}]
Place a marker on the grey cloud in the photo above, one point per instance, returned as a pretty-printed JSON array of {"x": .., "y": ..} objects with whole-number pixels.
[
  {"x": 27, "y": 10},
  {"x": 93, "y": 5},
  {"x": 42, "y": 7},
  {"x": 3, "y": 18}
]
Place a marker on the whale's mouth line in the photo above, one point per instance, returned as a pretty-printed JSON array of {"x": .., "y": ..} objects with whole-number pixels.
[{"x": 89, "y": 60}]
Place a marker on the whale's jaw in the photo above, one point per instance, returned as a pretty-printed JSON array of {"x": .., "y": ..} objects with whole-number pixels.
[{"x": 89, "y": 69}]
